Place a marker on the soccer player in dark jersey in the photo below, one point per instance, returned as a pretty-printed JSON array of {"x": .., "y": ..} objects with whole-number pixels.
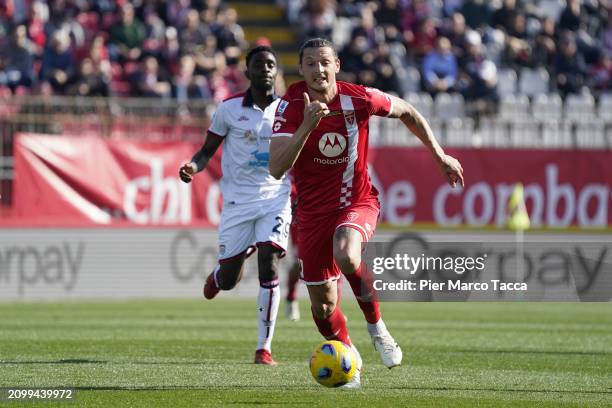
[{"x": 321, "y": 131}]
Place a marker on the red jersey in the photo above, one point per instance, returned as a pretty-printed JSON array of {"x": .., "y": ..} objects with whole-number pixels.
[{"x": 331, "y": 171}]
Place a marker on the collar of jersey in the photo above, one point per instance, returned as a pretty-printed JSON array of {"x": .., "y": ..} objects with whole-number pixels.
[{"x": 248, "y": 101}]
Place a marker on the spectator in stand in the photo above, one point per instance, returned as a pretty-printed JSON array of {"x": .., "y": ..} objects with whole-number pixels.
[
  {"x": 62, "y": 16},
  {"x": 16, "y": 60},
  {"x": 206, "y": 57},
  {"x": 570, "y": 18},
  {"x": 456, "y": 35},
  {"x": 187, "y": 85},
  {"x": 90, "y": 81},
  {"x": 58, "y": 63},
  {"x": 193, "y": 34},
  {"x": 545, "y": 45},
  {"x": 570, "y": 67},
  {"x": 440, "y": 68},
  {"x": 367, "y": 26},
  {"x": 176, "y": 11},
  {"x": 600, "y": 76},
  {"x": 477, "y": 13},
  {"x": 352, "y": 58},
  {"x": 450, "y": 7},
  {"x": 386, "y": 79},
  {"x": 425, "y": 38},
  {"x": 149, "y": 81},
  {"x": 171, "y": 50},
  {"x": 218, "y": 84},
  {"x": 233, "y": 72},
  {"x": 317, "y": 19},
  {"x": 36, "y": 25},
  {"x": 5, "y": 25},
  {"x": 518, "y": 47},
  {"x": 227, "y": 30},
  {"x": 127, "y": 36},
  {"x": 502, "y": 17},
  {"x": 606, "y": 36},
  {"x": 155, "y": 32},
  {"x": 346, "y": 8},
  {"x": 412, "y": 17},
  {"x": 388, "y": 14},
  {"x": 478, "y": 82}
]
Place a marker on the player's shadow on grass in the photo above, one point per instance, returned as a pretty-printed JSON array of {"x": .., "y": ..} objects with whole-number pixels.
[
  {"x": 85, "y": 361},
  {"x": 63, "y": 361}
]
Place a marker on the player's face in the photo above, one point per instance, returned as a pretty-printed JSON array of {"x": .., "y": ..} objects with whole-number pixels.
[
  {"x": 262, "y": 70},
  {"x": 319, "y": 67}
]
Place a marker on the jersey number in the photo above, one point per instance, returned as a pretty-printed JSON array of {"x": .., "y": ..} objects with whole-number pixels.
[{"x": 277, "y": 227}]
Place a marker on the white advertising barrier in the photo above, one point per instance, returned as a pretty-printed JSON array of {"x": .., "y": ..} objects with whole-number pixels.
[
  {"x": 48, "y": 264},
  {"x": 96, "y": 263}
]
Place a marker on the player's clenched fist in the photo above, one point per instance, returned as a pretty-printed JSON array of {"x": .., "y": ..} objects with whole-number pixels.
[
  {"x": 187, "y": 171},
  {"x": 313, "y": 112}
]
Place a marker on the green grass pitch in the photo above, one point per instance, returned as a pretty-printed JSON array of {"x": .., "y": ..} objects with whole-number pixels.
[{"x": 199, "y": 353}]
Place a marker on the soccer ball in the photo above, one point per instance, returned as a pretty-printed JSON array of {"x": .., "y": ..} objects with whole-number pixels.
[{"x": 333, "y": 364}]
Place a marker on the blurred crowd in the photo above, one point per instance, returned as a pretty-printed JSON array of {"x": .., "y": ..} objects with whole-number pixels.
[
  {"x": 461, "y": 45},
  {"x": 187, "y": 49},
  {"x": 168, "y": 49}
]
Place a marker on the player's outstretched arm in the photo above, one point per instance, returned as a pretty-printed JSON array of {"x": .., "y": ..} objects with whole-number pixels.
[
  {"x": 418, "y": 125},
  {"x": 284, "y": 151},
  {"x": 201, "y": 158}
]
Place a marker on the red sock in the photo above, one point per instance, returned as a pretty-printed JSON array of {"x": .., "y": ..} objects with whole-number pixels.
[
  {"x": 294, "y": 278},
  {"x": 363, "y": 288},
  {"x": 333, "y": 327}
]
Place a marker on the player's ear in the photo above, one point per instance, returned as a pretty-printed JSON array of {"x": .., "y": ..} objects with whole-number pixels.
[
  {"x": 337, "y": 65},
  {"x": 247, "y": 74},
  {"x": 300, "y": 69}
]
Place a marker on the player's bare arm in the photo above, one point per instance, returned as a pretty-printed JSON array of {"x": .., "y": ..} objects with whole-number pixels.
[
  {"x": 200, "y": 160},
  {"x": 284, "y": 151},
  {"x": 418, "y": 125}
]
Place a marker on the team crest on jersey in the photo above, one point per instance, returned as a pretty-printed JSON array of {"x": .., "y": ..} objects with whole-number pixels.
[
  {"x": 350, "y": 117},
  {"x": 352, "y": 216},
  {"x": 248, "y": 135},
  {"x": 332, "y": 144},
  {"x": 281, "y": 108}
]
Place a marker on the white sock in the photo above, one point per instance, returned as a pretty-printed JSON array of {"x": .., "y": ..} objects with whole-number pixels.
[
  {"x": 215, "y": 274},
  {"x": 377, "y": 328},
  {"x": 267, "y": 309}
]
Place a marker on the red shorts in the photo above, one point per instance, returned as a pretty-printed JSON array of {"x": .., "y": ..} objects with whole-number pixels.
[
  {"x": 293, "y": 234},
  {"x": 316, "y": 244}
]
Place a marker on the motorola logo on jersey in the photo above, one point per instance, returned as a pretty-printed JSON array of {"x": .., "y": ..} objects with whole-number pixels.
[{"x": 332, "y": 144}]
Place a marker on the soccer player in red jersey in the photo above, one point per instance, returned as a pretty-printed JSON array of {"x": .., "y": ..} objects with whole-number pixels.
[{"x": 321, "y": 131}]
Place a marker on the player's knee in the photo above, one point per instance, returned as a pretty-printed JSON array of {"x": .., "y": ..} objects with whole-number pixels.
[
  {"x": 267, "y": 275},
  {"x": 323, "y": 310},
  {"x": 346, "y": 261},
  {"x": 229, "y": 275}
]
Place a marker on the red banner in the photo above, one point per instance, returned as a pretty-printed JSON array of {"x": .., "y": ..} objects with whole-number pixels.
[
  {"x": 89, "y": 180},
  {"x": 93, "y": 181},
  {"x": 562, "y": 187}
]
